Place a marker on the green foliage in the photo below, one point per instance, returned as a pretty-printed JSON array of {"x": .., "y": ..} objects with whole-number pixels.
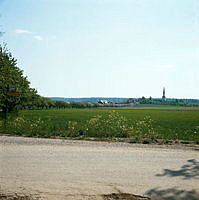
[
  {"x": 43, "y": 103},
  {"x": 130, "y": 101},
  {"x": 111, "y": 124},
  {"x": 136, "y": 124},
  {"x": 12, "y": 77},
  {"x": 144, "y": 129}
]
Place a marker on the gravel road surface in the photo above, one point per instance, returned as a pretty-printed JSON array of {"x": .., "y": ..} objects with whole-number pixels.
[{"x": 66, "y": 169}]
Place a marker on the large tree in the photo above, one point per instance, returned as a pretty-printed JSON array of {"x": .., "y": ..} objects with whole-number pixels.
[{"x": 14, "y": 86}]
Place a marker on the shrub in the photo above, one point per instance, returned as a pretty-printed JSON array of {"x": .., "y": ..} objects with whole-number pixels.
[
  {"x": 143, "y": 129},
  {"x": 110, "y": 125}
]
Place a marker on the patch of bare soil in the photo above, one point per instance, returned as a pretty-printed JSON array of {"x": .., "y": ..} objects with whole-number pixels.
[{"x": 123, "y": 196}]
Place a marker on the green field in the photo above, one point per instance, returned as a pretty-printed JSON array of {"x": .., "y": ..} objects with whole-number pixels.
[
  {"x": 103, "y": 123},
  {"x": 152, "y": 107}
]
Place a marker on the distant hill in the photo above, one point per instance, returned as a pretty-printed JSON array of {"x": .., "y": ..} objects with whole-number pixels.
[
  {"x": 114, "y": 100},
  {"x": 90, "y": 100}
]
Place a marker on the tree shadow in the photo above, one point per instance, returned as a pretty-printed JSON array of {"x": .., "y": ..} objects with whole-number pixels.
[
  {"x": 172, "y": 194},
  {"x": 188, "y": 171},
  {"x": 123, "y": 196},
  {"x": 119, "y": 195}
]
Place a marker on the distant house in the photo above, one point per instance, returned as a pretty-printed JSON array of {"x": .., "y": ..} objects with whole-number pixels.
[{"x": 103, "y": 102}]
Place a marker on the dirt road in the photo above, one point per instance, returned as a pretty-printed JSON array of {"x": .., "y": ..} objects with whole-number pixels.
[{"x": 58, "y": 169}]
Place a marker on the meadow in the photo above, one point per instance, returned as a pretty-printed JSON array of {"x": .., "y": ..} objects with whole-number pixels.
[
  {"x": 153, "y": 107},
  {"x": 142, "y": 124}
]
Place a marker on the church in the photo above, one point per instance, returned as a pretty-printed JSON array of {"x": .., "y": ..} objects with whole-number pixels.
[{"x": 163, "y": 96}]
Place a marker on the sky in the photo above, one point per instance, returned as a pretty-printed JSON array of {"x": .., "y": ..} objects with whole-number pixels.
[{"x": 105, "y": 48}]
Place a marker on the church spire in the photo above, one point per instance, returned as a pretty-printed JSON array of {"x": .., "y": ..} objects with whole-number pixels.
[{"x": 164, "y": 97}]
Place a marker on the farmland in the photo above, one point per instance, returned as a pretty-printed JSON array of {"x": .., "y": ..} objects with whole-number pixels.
[
  {"x": 153, "y": 107},
  {"x": 164, "y": 123}
]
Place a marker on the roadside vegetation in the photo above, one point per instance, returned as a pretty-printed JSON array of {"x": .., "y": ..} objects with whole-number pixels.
[{"x": 137, "y": 125}]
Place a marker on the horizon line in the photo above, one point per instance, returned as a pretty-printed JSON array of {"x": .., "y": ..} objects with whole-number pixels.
[{"x": 117, "y": 97}]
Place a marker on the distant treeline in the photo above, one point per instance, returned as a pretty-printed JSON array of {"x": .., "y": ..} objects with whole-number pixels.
[
  {"x": 91, "y": 99},
  {"x": 46, "y": 103},
  {"x": 117, "y": 100},
  {"x": 171, "y": 102},
  {"x": 39, "y": 102}
]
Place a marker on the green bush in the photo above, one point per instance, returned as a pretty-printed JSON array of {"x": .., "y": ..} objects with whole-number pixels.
[
  {"x": 110, "y": 125},
  {"x": 144, "y": 129},
  {"x": 98, "y": 123}
]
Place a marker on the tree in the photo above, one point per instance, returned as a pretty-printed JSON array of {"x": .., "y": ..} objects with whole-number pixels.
[
  {"x": 14, "y": 87},
  {"x": 130, "y": 100},
  {"x": 142, "y": 100}
]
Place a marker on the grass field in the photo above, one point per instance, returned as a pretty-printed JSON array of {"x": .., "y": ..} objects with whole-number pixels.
[
  {"x": 152, "y": 107},
  {"x": 103, "y": 123}
]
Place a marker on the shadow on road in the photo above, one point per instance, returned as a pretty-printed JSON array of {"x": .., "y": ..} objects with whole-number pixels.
[
  {"x": 188, "y": 171},
  {"x": 172, "y": 194},
  {"x": 123, "y": 196}
]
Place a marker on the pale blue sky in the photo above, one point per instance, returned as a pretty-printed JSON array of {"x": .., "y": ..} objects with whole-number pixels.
[{"x": 109, "y": 48}]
